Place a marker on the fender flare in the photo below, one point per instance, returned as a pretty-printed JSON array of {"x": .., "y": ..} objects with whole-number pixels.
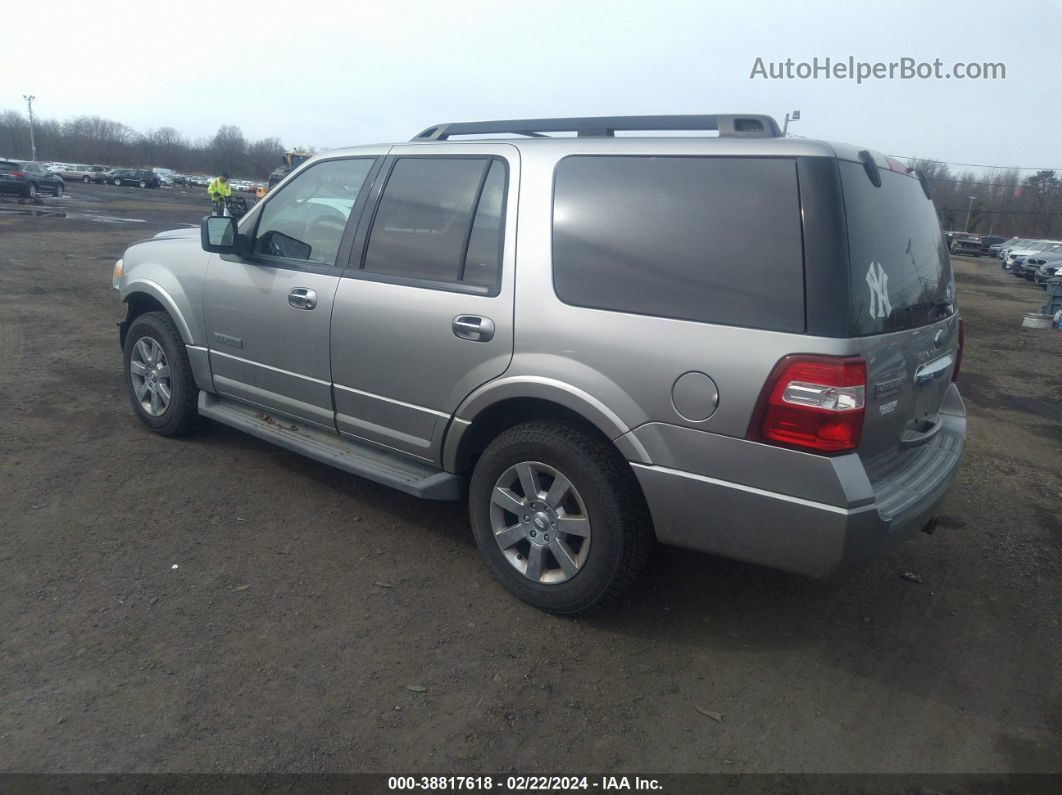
[
  {"x": 157, "y": 292},
  {"x": 529, "y": 386}
]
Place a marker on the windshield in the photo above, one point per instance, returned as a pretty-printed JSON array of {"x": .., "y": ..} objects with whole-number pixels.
[{"x": 900, "y": 274}]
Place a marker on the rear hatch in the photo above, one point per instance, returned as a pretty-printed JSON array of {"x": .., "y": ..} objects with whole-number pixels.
[
  {"x": 8, "y": 168},
  {"x": 902, "y": 307}
]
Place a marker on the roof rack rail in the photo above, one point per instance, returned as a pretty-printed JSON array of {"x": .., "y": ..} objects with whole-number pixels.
[{"x": 729, "y": 125}]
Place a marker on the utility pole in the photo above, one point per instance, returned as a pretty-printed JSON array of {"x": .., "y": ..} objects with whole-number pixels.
[
  {"x": 968, "y": 211},
  {"x": 795, "y": 116},
  {"x": 29, "y": 104}
]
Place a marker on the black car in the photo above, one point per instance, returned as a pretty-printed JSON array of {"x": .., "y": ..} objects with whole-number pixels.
[
  {"x": 987, "y": 241},
  {"x": 28, "y": 179},
  {"x": 131, "y": 176}
]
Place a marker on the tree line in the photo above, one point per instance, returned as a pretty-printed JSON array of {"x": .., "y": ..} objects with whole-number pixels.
[
  {"x": 1003, "y": 203},
  {"x": 95, "y": 140}
]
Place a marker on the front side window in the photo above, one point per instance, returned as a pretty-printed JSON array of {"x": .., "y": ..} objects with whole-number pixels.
[
  {"x": 305, "y": 221},
  {"x": 440, "y": 220}
]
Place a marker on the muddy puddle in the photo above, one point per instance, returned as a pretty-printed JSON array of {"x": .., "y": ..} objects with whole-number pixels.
[{"x": 49, "y": 212}]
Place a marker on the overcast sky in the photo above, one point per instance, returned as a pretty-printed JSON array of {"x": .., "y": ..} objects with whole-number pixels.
[{"x": 325, "y": 73}]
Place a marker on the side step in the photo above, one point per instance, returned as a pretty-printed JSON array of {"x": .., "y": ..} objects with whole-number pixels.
[{"x": 391, "y": 469}]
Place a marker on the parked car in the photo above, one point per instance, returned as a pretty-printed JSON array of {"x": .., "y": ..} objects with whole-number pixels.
[
  {"x": 1048, "y": 270},
  {"x": 624, "y": 382},
  {"x": 996, "y": 248},
  {"x": 79, "y": 172},
  {"x": 28, "y": 180},
  {"x": 132, "y": 176},
  {"x": 966, "y": 245},
  {"x": 988, "y": 241},
  {"x": 1031, "y": 264}
]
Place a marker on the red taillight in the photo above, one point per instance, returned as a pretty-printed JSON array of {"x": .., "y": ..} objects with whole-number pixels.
[
  {"x": 18, "y": 173},
  {"x": 958, "y": 353},
  {"x": 814, "y": 403}
]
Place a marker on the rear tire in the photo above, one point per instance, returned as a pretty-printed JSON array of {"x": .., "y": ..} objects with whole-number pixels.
[
  {"x": 86, "y": 180},
  {"x": 143, "y": 184},
  {"x": 31, "y": 191},
  {"x": 117, "y": 182},
  {"x": 172, "y": 414},
  {"x": 603, "y": 489}
]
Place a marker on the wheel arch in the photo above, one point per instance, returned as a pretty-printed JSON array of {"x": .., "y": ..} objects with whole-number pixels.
[
  {"x": 499, "y": 406},
  {"x": 145, "y": 296}
]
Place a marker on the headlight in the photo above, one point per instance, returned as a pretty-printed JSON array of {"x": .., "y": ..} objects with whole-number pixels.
[{"x": 116, "y": 279}]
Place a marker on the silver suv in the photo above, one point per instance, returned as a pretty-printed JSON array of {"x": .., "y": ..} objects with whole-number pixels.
[{"x": 742, "y": 344}]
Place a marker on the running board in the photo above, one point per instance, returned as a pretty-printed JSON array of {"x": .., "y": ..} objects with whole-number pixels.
[{"x": 391, "y": 469}]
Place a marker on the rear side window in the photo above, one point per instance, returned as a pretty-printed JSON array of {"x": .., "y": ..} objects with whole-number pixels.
[
  {"x": 900, "y": 272},
  {"x": 710, "y": 239},
  {"x": 440, "y": 220}
]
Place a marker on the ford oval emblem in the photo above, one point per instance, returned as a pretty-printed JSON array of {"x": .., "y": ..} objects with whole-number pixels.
[{"x": 938, "y": 338}]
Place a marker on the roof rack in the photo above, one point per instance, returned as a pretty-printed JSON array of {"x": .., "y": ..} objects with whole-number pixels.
[{"x": 729, "y": 125}]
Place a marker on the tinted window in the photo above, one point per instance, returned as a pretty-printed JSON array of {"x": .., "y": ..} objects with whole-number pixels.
[
  {"x": 306, "y": 219},
  {"x": 708, "y": 239},
  {"x": 424, "y": 226},
  {"x": 483, "y": 260},
  {"x": 900, "y": 273}
]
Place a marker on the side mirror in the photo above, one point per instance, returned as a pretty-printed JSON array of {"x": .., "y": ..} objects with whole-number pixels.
[{"x": 217, "y": 233}]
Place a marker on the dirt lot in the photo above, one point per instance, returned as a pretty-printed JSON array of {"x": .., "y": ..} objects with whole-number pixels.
[{"x": 217, "y": 604}]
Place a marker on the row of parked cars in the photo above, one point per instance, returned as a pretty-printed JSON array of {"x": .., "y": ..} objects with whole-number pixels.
[
  {"x": 139, "y": 177},
  {"x": 1034, "y": 260}
]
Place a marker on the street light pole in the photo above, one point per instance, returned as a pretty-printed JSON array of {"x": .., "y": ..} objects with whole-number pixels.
[
  {"x": 968, "y": 211},
  {"x": 788, "y": 118},
  {"x": 29, "y": 104}
]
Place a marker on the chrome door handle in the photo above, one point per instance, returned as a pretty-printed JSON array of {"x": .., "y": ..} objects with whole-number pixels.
[
  {"x": 473, "y": 327},
  {"x": 302, "y": 298}
]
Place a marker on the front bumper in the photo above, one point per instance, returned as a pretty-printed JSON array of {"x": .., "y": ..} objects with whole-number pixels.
[{"x": 891, "y": 501}]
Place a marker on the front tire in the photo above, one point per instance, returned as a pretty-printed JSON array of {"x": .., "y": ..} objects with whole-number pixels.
[
  {"x": 158, "y": 376},
  {"x": 31, "y": 191},
  {"x": 117, "y": 182},
  {"x": 86, "y": 180},
  {"x": 143, "y": 184},
  {"x": 559, "y": 517}
]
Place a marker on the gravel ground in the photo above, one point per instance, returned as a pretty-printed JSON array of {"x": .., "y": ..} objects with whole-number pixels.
[{"x": 217, "y": 604}]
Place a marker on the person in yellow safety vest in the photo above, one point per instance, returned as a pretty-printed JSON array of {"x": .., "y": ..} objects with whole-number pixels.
[{"x": 219, "y": 190}]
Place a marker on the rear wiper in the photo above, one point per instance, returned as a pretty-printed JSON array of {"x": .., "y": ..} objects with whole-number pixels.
[{"x": 945, "y": 307}]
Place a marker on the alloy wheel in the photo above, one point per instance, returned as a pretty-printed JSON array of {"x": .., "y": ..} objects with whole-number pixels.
[
  {"x": 150, "y": 374},
  {"x": 540, "y": 522}
]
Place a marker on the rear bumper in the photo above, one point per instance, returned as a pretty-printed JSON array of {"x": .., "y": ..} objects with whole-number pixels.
[{"x": 890, "y": 501}]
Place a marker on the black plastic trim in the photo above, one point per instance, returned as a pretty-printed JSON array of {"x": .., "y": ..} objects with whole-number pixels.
[{"x": 826, "y": 272}]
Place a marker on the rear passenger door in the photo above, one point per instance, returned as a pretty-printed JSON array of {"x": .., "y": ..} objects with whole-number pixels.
[{"x": 424, "y": 313}]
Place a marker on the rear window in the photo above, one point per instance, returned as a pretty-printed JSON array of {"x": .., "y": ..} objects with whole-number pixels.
[
  {"x": 9, "y": 165},
  {"x": 710, "y": 239},
  {"x": 900, "y": 273}
]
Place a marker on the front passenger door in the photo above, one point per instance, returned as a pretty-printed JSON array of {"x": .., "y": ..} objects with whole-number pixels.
[{"x": 267, "y": 315}]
